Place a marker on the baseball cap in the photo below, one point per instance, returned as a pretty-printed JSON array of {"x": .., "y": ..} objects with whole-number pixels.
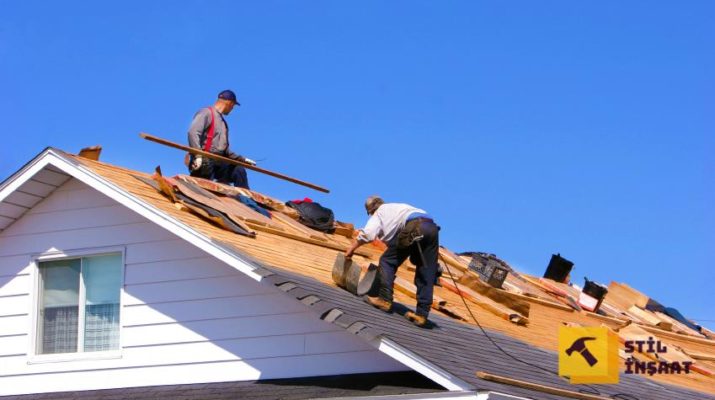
[{"x": 229, "y": 95}]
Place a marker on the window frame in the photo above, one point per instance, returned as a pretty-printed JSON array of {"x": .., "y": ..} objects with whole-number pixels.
[{"x": 35, "y": 357}]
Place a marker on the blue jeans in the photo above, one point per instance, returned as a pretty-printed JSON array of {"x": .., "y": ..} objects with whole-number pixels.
[{"x": 426, "y": 271}]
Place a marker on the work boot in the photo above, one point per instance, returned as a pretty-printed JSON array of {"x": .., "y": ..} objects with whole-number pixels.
[
  {"x": 380, "y": 303},
  {"x": 416, "y": 319}
]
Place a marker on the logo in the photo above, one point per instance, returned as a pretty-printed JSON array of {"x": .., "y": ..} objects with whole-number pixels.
[
  {"x": 656, "y": 350},
  {"x": 588, "y": 354}
]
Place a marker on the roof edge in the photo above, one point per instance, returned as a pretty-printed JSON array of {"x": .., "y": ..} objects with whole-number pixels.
[
  {"x": 57, "y": 159},
  {"x": 22, "y": 175},
  {"x": 424, "y": 367}
]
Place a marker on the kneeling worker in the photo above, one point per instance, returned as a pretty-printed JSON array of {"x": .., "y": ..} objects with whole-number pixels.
[
  {"x": 209, "y": 132},
  {"x": 408, "y": 232}
]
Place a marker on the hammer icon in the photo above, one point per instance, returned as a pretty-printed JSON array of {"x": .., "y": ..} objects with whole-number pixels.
[{"x": 580, "y": 346}]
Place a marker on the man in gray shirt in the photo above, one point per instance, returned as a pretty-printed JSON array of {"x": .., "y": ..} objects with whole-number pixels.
[
  {"x": 209, "y": 132},
  {"x": 408, "y": 232}
]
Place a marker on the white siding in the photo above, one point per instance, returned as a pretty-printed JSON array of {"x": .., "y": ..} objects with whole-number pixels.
[{"x": 186, "y": 317}]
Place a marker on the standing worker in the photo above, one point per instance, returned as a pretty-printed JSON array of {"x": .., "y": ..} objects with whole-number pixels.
[
  {"x": 209, "y": 132},
  {"x": 408, "y": 232}
]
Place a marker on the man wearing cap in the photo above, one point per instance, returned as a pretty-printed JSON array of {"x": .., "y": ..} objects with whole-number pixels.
[
  {"x": 209, "y": 132},
  {"x": 408, "y": 232}
]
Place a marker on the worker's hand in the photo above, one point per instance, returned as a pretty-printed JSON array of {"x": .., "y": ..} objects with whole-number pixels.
[
  {"x": 244, "y": 159},
  {"x": 249, "y": 161},
  {"x": 349, "y": 254},
  {"x": 196, "y": 163}
]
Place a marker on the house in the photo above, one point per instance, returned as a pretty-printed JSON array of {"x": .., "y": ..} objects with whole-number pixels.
[{"x": 112, "y": 287}]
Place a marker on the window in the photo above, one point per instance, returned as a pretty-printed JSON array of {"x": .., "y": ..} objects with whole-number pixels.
[{"x": 79, "y": 304}]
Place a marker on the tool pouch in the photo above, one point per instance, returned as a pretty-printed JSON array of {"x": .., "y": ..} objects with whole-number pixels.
[{"x": 409, "y": 233}]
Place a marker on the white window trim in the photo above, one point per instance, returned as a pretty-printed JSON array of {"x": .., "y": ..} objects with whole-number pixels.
[{"x": 33, "y": 356}]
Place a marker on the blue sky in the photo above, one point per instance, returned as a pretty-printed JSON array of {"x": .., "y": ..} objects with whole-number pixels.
[{"x": 526, "y": 128}]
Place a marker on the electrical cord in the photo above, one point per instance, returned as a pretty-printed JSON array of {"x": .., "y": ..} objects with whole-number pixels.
[{"x": 624, "y": 396}]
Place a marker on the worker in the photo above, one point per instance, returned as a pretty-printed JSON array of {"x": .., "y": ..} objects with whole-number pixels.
[
  {"x": 408, "y": 232},
  {"x": 209, "y": 132}
]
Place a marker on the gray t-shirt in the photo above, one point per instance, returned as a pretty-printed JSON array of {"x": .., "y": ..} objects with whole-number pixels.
[{"x": 199, "y": 130}]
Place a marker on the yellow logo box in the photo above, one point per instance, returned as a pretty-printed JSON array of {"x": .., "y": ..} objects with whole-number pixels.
[{"x": 588, "y": 354}]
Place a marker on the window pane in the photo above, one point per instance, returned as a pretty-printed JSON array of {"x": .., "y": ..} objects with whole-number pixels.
[
  {"x": 59, "y": 310},
  {"x": 102, "y": 277}
]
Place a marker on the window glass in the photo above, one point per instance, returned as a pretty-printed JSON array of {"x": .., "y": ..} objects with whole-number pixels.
[
  {"x": 59, "y": 310},
  {"x": 102, "y": 278},
  {"x": 79, "y": 306}
]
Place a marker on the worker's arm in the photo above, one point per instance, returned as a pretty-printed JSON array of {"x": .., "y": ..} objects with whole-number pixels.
[
  {"x": 201, "y": 121},
  {"x": 371, "y": 231},
  {"x": 354, "y": 246}
]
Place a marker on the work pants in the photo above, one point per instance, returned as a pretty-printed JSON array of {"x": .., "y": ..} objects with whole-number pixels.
[
  {"x": 223, "y": 173},
  {"x": 426, "y": 271}
]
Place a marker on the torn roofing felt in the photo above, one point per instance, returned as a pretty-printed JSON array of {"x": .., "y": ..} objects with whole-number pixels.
[{"x": 526, "y": 311}]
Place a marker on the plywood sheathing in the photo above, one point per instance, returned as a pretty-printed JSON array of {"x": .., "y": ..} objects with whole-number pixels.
[{"x": 316, "y": 262}]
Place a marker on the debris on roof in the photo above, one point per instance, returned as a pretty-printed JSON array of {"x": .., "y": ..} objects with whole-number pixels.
[
  {"x": 520, "y": 306},
  {"x": 91, "y": 153}
]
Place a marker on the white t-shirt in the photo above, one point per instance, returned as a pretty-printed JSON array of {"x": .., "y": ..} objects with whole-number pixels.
[{"x": 387, "y": 221}]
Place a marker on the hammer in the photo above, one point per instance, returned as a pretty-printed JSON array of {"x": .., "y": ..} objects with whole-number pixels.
[{"x": 580, "y": 346}]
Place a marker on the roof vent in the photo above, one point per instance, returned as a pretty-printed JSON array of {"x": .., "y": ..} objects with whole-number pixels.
[{"x": 91, "y": 153}]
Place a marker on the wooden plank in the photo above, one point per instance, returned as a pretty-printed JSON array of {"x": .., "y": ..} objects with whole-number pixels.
[
  {"x": 304, "y": 239},
  {"x": 408, "y": 288},
  {"x": 453, "y": 260},
  {"x": 486, "y": 303},
  {"x": 298, "y": 227},
  {"x": 91, "y": 153},
  {"x": 625, "y": 296},
  {"x": 472, "y": 281},
  {"x": 556, "y": 292},
  {"x": 438, "y": 303},
  {"x": 650, "y": 318},
  {"x": 539, "y": 387},
  {"x": 700, "y": 356},
  {"x": 677, "y": 326},
  {"x": 233, "y": 162},
  {"x": 673, "y": 353},
  {"x": 680, "y": 336}
]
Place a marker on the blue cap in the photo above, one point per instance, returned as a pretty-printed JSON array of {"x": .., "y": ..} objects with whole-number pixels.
[{"x": 228, "y": 95}]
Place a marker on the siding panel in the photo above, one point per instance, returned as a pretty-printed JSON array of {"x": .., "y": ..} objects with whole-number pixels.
[
  {"x": 192, "y": 289},
  {"x": 11, "y": 210},
  {"x": 16, "y": 325},
  {"x": 268, "y": 368},
  {"x": 14, "y": 265},
  {"x": 230, "y": 307},
  {"x": 193, "y": 268},
  {"x": 72, "y": 200},
  {"x": 14, "y": 305},
  {"x": 222, "y": 329},
  {"x": 80, "y": 239},
  {"x": 186, "y": 317},
  {"x": 12, "y": 346},
  {"x": 112, "y": 215},
  {"x": 15, "y": 285}
]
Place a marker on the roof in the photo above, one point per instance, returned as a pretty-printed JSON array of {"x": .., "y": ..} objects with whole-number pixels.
[
  {"x": 522, "y": 319},
  {"x": 393, "y": 383}
]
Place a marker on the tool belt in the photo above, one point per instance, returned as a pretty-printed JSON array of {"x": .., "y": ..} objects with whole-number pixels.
[{"x": 410, "y": 231}]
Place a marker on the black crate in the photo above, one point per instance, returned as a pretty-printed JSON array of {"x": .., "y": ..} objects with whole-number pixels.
[
  {"x": 489, "y": 270},
  {"x": 559, "y": 268}
]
